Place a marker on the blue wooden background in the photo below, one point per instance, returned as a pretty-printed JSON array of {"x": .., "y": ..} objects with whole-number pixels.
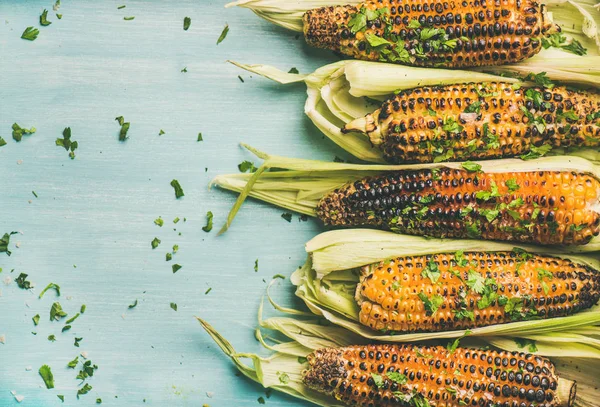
[{"x": 91, "y": 226}]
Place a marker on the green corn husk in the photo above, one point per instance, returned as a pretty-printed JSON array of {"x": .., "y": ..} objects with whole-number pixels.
[
  {"x": 343, "y": 91},
  {"x": 578, "y": 19},
  {"x": 298, "y": 185},
  {"x": 327, "y": 281},
  {"x": 282, "y": 370}
]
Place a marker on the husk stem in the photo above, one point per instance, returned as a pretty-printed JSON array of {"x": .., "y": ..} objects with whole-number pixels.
[
  {"x": 344, "y": 91},
  {"x": 576, "y": 18},
  {"x": 282, "y": 371},
  {"x": 298, "y": 184}
]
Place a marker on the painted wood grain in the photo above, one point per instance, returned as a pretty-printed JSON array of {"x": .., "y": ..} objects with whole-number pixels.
[{"x": 91, "y": 226}]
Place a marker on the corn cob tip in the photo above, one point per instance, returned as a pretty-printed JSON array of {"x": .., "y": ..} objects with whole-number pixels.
[
  {"x": 566, "y": 391},
  {"x": 366, "y": 125}
]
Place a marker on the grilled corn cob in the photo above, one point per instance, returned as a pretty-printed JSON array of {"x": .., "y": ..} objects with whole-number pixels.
[
  {"x": 442, "y": 33},
  {"x": 455, "y": 291},
  {"x": 546, "y": 207},
  {"x": 480, "y": 121},
  {"x": 395, "y": 375}
]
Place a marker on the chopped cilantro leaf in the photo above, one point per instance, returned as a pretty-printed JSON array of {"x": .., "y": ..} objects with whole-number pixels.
[
  {"x": 247, "y": 166},
  {"x": 474, "y": 107},
  {"x": 36, "y": 319},
  {"x": 414, "y": 23},
  {"x": 161, "y": 132},
  {"x": 2, "y": 142},
  {"x": 82, "y": 310},
  {"x": 159, "y": 222},
  {"x": 261, "y": 400},
  {"x": 61, "y": 397},
  {"x": 209, "y": 222},
  {"x": 223, "y": 34},
  {"x": 121, "y": 7},
  {"x": 67, "y": 143},
  {"x": 44, "y": 18},
  {"x": 397, "y": 377},
  {"x": 30, "y": 33},
  {"x": 541, "y": 79},
  {"x": 77, "y": 340},
  {"x": 476, "y": 282},
  {"x": 431, "y": 271},
  {"x": 186, "y": 23},
  {"x": 176, "y": 268},
  {"x": 431, "y": 304},
  {"x": 471, "y": 166},
  {"x": 73, "y": 364},
  {"x": 50, "y": 286},
  {"x": 487, "y": 195},
  {"x": 207, "y": 291},
  {"x": 376, "y": 41},
  {"x": 155, "y": 242},
  {"x": 56, "y": 312},
  {"x": 52, "y": 338},
  {"x": 174, "y": 306},
  {"x": 287, "y": 216},
  {"x": 72, "y": 318},
  {"x": 184, "y": 70},
  {"x": 178, "y": 190},
  {"x": 377, "y": 379},
  {"x": 536, "y": 152},
  {"x": 256, "y": 265},
  {"x": 199, "y": 137},
  {"x": 4, "y": 242},
  {"x": 168, "y": 257},
  {"x": 128, "y": 18},
  {"x": 294, "y": 70},
  {"x": 512, "y": 185},
  {"x": 84, "y": 390},
  {"x": 47, "y": 376},
  {"x": 22, "y": 282},
  {"x": 302, "y": 360},
  {"x": 19, "y": 131},
  {"x": 135, "y": 303}
]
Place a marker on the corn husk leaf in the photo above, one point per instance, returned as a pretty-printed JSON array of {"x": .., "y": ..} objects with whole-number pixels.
[
  {"x": 298, "y": 185},
  {"x": 341, "y": 92},
  {"x": 308, "y": 335}
]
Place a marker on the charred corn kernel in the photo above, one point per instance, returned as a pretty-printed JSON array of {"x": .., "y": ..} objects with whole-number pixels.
[
  {"x": 475, "y": 289},
  {"x": 480, "y": 121},
  {"x": 421, "y": 33},
  {"x": 534, "y": 207},
  {"x": 394, "y": 375}
]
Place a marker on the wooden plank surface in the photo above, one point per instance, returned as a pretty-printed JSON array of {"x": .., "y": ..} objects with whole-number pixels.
[{"x": 91, "y": 226}]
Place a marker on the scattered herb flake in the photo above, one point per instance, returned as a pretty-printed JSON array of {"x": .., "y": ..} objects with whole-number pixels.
[
  {"x": 471, "y": 166},
  {"x": 256, "y": 266},
  {"x": 431, "y": 304},
  {"x": 261, "y": 400},
  {"x": 377, "y": 379},
  {"x": 397, "y": 377},
  {"x": 176, "y": 268},
  {"x": 155, "y": 242},
  {"x": 302, "y": 360},
  {"x": 174, "y": 306},
  {"x": 72, "y": 318},
  {"x": 30, "y": 33},
  {"x": 241, "y": 79},
  {"x": 207, "y": 291},
  {"x": 126, "y": 19},
  {"x": 522, "y": 342},
  {"x": 67, "y": 143},
  {"x": 161, "y": 132},
  {"x": 19, "y": 131},
  {"x": 281, "y": 276},
  {"x": 4, "y": 242},
  {"x": 159, "y": 222},
  {"x": 247, "y": 166},
  {"x": 2, "y": 142},
  {"x": 186, "y": 23},
  {"x": 294, "y": 70},
  {"x": 223, "y": 34},
  {"x": 209, "y": 222},
  {"x": 52, "y": 338},
  {"x": 61, "y": 397},
  {"x": 135, "y": 303},
  {"x": 168, "y": 257},
  {"x": 22, "y": 282},
  {"x": 178, "y": 190},
  {"x": 536, "y": 152},
  {"x": 121, "y": 7},
  {"x": 44, "y": 18},
  {"x": 76, "y": 343},
  {"x": 200, "y": 137},
  {"x": 287, "y": 216},
  {"x": 50, "y": 286},
  {"x": 83, "y": 307},
  {"x": 86, "y": 387},
  {"x": 47, "y": 376},
  {"x": 36, "y": 319}
]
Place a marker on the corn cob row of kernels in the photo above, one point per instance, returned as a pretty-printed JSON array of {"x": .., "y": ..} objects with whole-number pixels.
[
  {"x": 423, "y": 33},
  {"x": 480, "y": 121},
  {"x": 399, "y": 375},
  {"x": 545, "y": 207},
  {"x": 473, "y": 289}
]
